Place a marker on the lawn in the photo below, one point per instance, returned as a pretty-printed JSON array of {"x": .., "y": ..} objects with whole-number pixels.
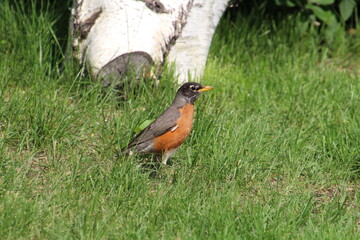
[{"x": 274, "y": 153}]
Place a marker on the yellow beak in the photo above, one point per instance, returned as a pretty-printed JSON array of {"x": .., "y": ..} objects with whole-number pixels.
[{"x": 206, "y": 88}]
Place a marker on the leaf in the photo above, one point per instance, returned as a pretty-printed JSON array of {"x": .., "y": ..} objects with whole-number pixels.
[
  {"x": 322, "y": 2},
  {"x": 288, "y": 3},
  {"x": 142, "y": 126},
  {"x": 346, "y": 8},
  {"x": 323, "y": 15},
  {"x": 332, "y": 29}
]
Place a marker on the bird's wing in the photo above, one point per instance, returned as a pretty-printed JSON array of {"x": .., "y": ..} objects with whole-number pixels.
[{"x": 161, "y": 125}]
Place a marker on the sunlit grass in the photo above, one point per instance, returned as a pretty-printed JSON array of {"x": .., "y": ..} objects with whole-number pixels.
[{"x": 274, "y": 153}]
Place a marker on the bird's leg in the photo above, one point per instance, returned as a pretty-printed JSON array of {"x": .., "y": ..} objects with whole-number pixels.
[{"x": 167, "y": 154}]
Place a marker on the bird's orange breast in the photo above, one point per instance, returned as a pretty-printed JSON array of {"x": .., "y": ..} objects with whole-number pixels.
[{"x": 173, "y": 139}]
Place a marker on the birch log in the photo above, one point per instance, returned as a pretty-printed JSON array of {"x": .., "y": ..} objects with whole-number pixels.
[
  {"x": 191, "y": 49},
  {"x": 114, "y": 36}
]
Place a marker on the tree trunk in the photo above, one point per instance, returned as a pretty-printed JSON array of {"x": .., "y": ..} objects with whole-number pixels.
[
  {"x": 191, "y": 49},
  {"x": 115, "y": 36}
]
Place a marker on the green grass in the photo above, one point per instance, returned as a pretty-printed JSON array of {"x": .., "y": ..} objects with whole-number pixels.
[{"x": 274, "y": 153}]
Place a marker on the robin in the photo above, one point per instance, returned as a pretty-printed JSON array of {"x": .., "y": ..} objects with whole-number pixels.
[{"x": 172, "y": 127}]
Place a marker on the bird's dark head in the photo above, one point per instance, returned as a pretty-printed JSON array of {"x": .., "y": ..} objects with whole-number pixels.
[{"x": 190, "y": 91}]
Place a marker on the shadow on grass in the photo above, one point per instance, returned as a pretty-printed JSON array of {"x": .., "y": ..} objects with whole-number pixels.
[{"x": 149, "y": 164}]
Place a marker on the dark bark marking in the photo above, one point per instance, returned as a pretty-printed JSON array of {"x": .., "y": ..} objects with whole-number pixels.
[
  {"x": 156, "y": 6},
  {"x": 178, "y": 26},
  {"x": 85, "y": 27}
]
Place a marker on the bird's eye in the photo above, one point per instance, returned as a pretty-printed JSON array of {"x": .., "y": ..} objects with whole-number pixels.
[{"x": 192, "y": 88}]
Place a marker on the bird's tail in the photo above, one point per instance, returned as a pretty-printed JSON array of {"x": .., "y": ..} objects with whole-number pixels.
[{"x": 125, "y": 150}]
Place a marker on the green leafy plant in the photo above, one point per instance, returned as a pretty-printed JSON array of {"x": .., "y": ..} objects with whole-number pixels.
[
  {"x": 142, "y": 126},
  {"x": 327, "y": 14}
]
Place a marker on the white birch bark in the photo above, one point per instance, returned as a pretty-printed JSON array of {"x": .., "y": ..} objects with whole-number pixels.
[{"x": 191, "y": 49}]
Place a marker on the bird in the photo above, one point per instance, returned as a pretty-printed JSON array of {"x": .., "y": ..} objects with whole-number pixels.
[{"x": 165, "y": 134}]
